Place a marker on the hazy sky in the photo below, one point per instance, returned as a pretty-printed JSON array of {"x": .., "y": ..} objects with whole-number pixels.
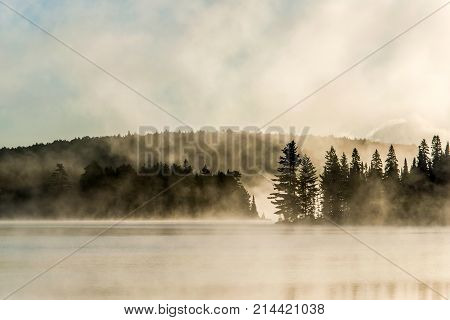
[{"x": 221, "y": 63}]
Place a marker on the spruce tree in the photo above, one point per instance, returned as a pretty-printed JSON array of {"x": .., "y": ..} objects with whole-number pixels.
[
  {"x": 405, "y": 172},
  {"x": 376, "y": 166},
  {"x": 344, "y": 194},
  {"x": 446, "y": 165},
  {"x": 356, "y": 180},
  {"x": 423, "y": 159},
  {"x": 437, "y": 161},
  {"x": 414, "y": 165},
  {"x": 391, "y": 168},
  {"x": 356, "y": 170},
  {"x": 436, "y": 152},
  {"x": 253, "y": 209},
  {"x": 330, "y": 181},
  {"x": 286, "y": 183},
  {"x": 307, "y": 188}
]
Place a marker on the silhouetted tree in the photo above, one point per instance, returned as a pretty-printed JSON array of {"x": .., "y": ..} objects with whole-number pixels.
[
  {"x": 253, "y": 209},
  {"x": 307, "y": 188},
  {"x": 404, "y": 172},
  {"x": 355, "y": 186},
  {"x": 446, "y": 169},
  {"x": 437, "y": 168},
  {"x": 330, "y": 181},
  {"x": 391, "y": 167},
  {"x": 344, "y": 193},
  {"x": 376, "y": 166},
  {"x": 423, "y": 159},
  {"x": 414, "y": 165},
  {"x": 436, "y": 152},
  {"x": 286, "y": 183},
  {"x": 356, "y": 171}
]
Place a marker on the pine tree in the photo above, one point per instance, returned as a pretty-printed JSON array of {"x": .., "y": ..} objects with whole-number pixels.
[
  {"x": 446, "y": 165},
  {"x": 437, "y": 161},
  {"x": 423, "y": 159},
  {"x": 330, "y": 181},
  {"x": 344, "y": 194},
  {"x": 307, "y": 188},
  {"x": 376, "y": 166},
  {"x": 356, "y": 181},
  {"x": 405, "y": 172},
  {"x": 253, "y": 209},
  {"x": 414, "y": 165},
  {"x": 391, "y": 168},
  {"x": 436, "y": 152},
  {"x": 286, "y": 183},
  {"x": 356, "y": 169}
]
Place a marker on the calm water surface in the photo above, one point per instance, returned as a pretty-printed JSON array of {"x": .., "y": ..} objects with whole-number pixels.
[{"x": 217, "y": 260}]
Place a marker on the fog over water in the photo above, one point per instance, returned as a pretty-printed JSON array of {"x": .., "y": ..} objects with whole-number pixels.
[{"x": 221, "y": 260}]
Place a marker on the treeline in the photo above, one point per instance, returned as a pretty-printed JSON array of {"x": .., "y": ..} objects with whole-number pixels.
[
  {"x": 349, "y": 191},
  {"x": 158, "y": 191},
  {"x": 23, "y": 167}
]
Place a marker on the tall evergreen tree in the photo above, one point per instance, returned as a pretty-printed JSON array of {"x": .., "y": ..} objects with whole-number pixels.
[
  {"x": 253, "y": 209},
  {"x": 344, "y": 194},
  {"x": 307, "y": 188},
  {"x": 330, "y": 181},
  {"x": 391, "y": 168},
  {"x": 376, "y": 166},
  {"x": 436, "y": 152},
  {"x": 423, "y": 159},
  {"x": 446, "y": 165},
  {"x": 405, "y": 172},
  {"x": 356, "y": 182},
  {"x": 286, "y": 183},
  {"x": 414, "y": 165},
  {"x": 447, "y": 151},
  {"x": 356, "y": 169},
  {"x": 437, "y": 161}
]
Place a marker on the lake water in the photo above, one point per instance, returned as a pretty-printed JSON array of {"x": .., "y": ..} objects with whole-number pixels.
[{"x": 221, "y": 260}]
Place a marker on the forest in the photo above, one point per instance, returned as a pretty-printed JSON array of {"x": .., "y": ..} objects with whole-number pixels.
[
  {"x": 104, "y": 177},
  {"x": 159, "y": 191},
  {"x": 349, "y": 191}
]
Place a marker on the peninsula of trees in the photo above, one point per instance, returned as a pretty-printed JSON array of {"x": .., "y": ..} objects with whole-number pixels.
[
  {"x": 349, "y": 191},
  {"x": 158, "y": 191}
]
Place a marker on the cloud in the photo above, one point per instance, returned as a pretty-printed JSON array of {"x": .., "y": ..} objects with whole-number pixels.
[{"x": 220, "y": 63}]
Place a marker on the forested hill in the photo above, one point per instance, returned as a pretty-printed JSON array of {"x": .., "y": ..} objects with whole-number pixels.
[
  {"x": 24, "y": 166},
  {"x": 159, "y": 191}
]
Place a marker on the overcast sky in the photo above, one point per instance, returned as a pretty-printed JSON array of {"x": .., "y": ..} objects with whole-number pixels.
[{"x": 222, "y": 63}]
